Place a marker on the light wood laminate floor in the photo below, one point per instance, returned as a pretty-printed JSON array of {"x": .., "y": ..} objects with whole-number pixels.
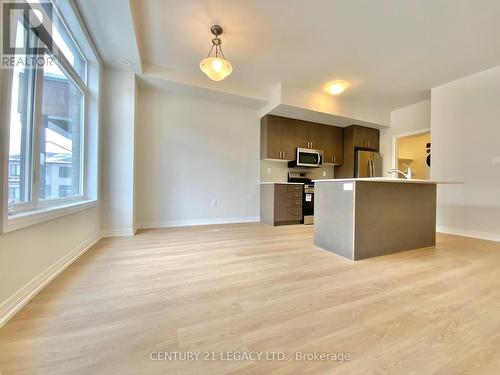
[{"x": 249, "y": 287}]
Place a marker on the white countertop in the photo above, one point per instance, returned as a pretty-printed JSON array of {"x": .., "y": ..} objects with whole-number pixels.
[
  {"x": 282, "y": 183},
  {"x": 385, "y": 179}
]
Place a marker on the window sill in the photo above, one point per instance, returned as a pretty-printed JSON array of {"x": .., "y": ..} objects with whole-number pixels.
[{"x": 26, "y": 219}]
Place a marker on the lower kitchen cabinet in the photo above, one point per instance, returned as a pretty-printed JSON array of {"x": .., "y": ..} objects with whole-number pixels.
[{"x": 281, "y": 204}]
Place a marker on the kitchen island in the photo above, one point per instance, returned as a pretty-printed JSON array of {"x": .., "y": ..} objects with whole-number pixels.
[{"x": 365, "y": 217}]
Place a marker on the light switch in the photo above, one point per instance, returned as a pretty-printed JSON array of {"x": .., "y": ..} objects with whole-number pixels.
[{"x": 269, "y": 171}]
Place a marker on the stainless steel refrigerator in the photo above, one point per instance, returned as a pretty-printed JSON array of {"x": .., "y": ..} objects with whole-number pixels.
[{"x": 368, "y": 164}]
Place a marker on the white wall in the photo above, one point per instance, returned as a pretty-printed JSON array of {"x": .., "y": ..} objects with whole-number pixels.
[
  {"x": 27, "y": 254},
  {"x": 117, "y": 176},
  {"x": 408, "y": 119},
  {"x": 190, "y": 151},
  {"x": 465, "y": 137}
]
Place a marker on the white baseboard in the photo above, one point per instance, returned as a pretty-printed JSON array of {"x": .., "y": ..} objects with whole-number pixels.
[
  {"x": 470, "y": 233},
  {"x": 195, "y": 222},
  {"x": 16, "y": 302},
  {"x": 122, "y": 232}
]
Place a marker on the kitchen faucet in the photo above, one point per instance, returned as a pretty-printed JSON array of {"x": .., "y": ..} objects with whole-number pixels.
[{"x": 406, "y": 175}]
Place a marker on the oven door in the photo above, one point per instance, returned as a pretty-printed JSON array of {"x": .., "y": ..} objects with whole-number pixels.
[
  {"x": 308, "y": 158},
  {"x": 308, "y": 207}
]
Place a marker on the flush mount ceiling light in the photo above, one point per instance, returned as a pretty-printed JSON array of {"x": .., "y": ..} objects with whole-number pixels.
[
  {"x": 336, "y": 87},
  {"x": 216, "y": 68}
]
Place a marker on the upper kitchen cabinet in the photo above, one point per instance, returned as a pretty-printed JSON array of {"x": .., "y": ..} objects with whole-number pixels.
[
  {"x": 328, "y": 139},
  {"x": 332, "y": 144},
  {"x": 278, "y": 138},
  {"x": 271, "y": 139},
  {"x": 305, "y": 134},
  {"x": 365, "y": 137},
  {"x": 314, "y": 136}
]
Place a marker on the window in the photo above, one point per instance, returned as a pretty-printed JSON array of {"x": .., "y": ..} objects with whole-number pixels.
[
  {"x": 21, "y": 121},
  {"x": 66, "y": 46},
  {"x": 64, "y": 172},
  {"x": 48, "y": 154},
  {"x": 13, "y": 194},
  {"x": 14, "y": 169},
  {"x": 61, "y": 125},
  {"x": 64, "y": 190}
]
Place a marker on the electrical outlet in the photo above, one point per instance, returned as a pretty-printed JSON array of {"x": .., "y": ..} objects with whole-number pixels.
[
  {"x": 214, "y": 203},
  {"x": 269, "y": 171},
  {"x": 324, "y": 173}
]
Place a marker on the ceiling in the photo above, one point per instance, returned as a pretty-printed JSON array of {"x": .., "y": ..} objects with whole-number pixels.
[
  {"x": 111, "y": 26},
  {"x": 392, "y": 51}
]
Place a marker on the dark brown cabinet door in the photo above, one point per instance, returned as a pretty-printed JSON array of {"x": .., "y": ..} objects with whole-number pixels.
[
  {"x": 303, "y": 133},
  {"x": 287, "y": 203},
  {"x": 309, "y": 135},
  {"x": 316, "y": 136},
  {"x": 338, "y": 145},
  {"x": 325, "y": 142},
  {"x": 271, "y": 128},
  {"x": 366, "y": 137},
  {"x": 290, "y": 139},
  {"x": 331, "y": 142},
  {"x": 373, "y": 138}
]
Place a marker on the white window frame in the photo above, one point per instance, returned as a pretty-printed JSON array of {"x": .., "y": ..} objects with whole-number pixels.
[{"x": 37, "y": 210}]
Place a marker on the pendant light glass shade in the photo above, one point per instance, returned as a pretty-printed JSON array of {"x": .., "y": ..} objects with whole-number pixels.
[{"x": 216, "y": 68}]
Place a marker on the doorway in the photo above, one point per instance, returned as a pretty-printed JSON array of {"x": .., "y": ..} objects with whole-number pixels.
[{"x": 414, "y": 151}]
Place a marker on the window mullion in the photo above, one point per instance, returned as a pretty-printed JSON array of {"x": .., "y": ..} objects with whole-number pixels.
[
  {"x": 37, "y": 136},
  {"x": 65, "y": 65}
]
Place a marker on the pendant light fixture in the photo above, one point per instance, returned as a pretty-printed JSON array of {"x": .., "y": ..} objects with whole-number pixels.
[{"x": 216, "y": 68}]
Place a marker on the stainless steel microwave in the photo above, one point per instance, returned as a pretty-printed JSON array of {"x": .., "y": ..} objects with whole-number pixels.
[{"x": 307, "y": 158}]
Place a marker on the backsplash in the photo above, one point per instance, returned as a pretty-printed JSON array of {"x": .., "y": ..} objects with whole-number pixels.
[{"x": 277, "y": 171}]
